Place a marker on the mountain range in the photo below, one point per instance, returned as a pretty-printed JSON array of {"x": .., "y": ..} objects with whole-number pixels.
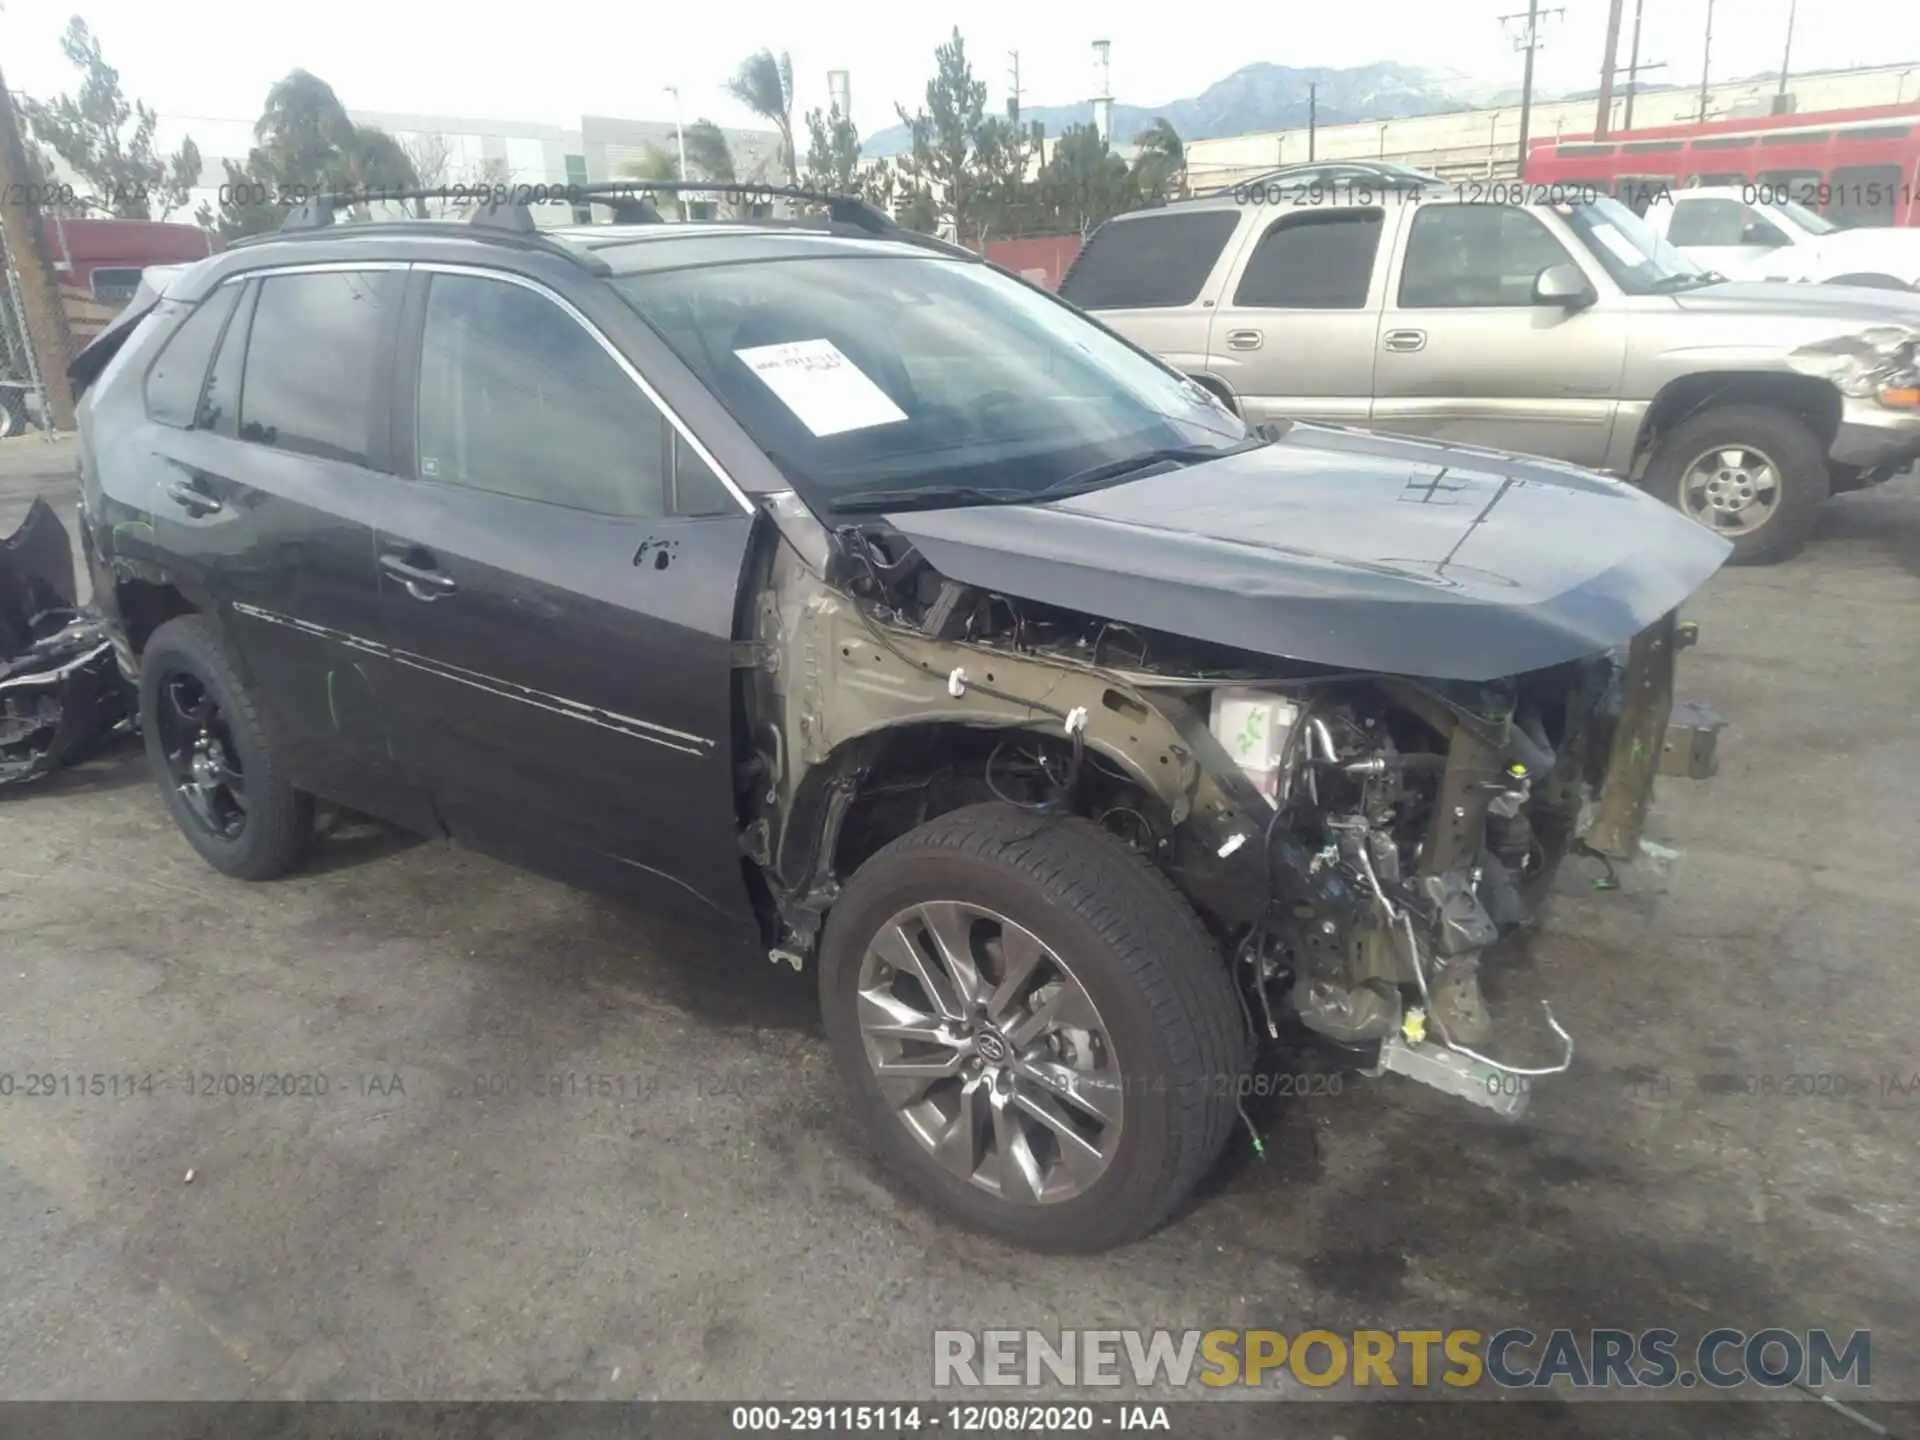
[{"x": 1264, "y": 96}]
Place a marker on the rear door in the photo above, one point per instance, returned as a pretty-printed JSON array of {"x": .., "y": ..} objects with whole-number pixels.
[
  {"x": 1295, "y": 333},
  {"x": 1466, "y": 355},
  {"x": 267, "y": 476},
  {"x": 1151, "y": 276},
  {"x": 558, "y": 581}
]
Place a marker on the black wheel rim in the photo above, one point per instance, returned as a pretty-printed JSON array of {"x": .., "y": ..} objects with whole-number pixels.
[{"x": 202, "y": 764}]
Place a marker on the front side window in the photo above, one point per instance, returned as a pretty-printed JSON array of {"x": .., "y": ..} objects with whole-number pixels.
[
  {"x": 312, "y": 361},
  {"x": 1316, "y": 260},
  {"x": 1149, "y": 261},
  {"x": 1706, "y": 222},
  {"x": 916, "y": 372},
  {"x": 173, "y": 384},
  {"x": 517, "y": 398},
  {"x": 1466, "y": 255}
]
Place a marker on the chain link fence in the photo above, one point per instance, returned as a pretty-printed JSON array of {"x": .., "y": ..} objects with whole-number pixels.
[{"x": 21, "y": 407}]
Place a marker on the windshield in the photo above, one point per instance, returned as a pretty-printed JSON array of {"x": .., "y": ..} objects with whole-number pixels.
[
  {"x": 875, "y": 372},
  {"x": 1806, "y": 219},
  {"x": 1640, "y": 262}
]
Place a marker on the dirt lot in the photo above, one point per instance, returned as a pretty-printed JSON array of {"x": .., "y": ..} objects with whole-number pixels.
[{"x": 720, "y": 1231}]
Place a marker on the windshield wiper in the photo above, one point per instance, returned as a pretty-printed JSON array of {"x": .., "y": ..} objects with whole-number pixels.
[
  {"x": 935, "y": 497},
  {"x": 1688, "y": 280},
  {"x": 926, "y": 497}
]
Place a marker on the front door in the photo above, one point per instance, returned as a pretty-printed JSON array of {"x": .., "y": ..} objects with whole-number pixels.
[
  {"x": 1464, "y": 353},
  {"x": 558, "y": 582},
  {"x": 1295, "y": 335}
]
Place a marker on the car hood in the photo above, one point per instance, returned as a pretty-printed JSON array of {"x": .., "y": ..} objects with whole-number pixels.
[
  {"x": 1344, "y": 548},
  {"x": 1841, "y": 303}
]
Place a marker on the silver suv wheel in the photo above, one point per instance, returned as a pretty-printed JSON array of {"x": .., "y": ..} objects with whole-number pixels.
[{"x": 990, "y": 1051}]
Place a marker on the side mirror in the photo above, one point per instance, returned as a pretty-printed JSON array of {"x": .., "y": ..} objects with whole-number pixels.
[{"x": 1564, "y": 286}]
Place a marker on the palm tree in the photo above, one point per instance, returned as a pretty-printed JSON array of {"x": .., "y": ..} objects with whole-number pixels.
[
  {"x": 764, "y": 84},
  {"x": 1159, "y": 161}
]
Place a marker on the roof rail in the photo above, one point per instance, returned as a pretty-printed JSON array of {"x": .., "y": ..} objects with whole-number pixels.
[{"x": 505, "y": 208}]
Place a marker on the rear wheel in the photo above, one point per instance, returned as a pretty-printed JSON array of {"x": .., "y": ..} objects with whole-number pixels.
[
  {"x": 1041, "y": 1035},
  {"x": 1870, "y": 282},
  {"x": 209, "y": 754},
  {"x": 13, "y": 413},
  {"x": 1754, "y": 476}
]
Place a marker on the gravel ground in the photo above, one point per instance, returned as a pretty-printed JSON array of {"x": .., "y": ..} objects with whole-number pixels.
[{"x": 720, "y": 1232}]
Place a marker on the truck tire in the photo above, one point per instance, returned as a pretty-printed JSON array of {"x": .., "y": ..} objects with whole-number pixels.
[
  {"x": 980, "y": 971},
  {"x": 209, "y": 755},
  {"x": 1750, "y": 474}
]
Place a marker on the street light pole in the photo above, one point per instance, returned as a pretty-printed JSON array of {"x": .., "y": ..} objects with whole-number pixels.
[
  {"x": 1706, "y": 61},
  {"x": 679, "y": 135}
]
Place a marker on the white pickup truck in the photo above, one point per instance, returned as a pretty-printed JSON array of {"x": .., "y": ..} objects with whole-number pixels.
[{"x": 1748, "y": 232}]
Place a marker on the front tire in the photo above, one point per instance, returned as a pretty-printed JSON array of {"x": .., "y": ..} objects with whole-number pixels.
[
  {"x": 1755, "y": 476},
  {"x": 1039, "y": 1032},
  {"x": 209, "y": 755}
]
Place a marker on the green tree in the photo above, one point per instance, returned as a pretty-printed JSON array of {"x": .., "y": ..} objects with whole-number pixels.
[
  {"x": 1159, "y": 164},
  {"x": 1086, "y": 183},
  {"x": 89, "y": 131},
  {"x": 305, "y": 144},
  {"x": 945, "y": 139},
  {"x": 833, "y": 151},
  {"x": 709, "y": 156},
  {"x": 764, "y": 84},
  {"x": 1009, "y": 200}
]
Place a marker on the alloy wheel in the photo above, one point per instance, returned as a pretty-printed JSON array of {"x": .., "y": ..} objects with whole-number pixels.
[
  {"x": 991, "y": 1052},
  {"x": 201, "y": 764},
  {"x": 1731, "y": 489}
]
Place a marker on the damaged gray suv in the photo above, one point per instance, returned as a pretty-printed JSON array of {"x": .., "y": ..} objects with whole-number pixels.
[{"x": 826, "y": 582}]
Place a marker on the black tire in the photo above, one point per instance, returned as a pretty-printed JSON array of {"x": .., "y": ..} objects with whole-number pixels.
[
  {"x": 277, "y": 828},
  {"x": 1789, "y": 442},
  {"x": 13, "y": 413},
  {"x": 1161, "y": 986}
]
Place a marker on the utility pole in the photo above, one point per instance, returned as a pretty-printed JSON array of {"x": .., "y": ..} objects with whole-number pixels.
[
  {"x": 1605, "y": 117},
  {"x": 1528, "y": 40},
  {"x": 1313, "y": 118},
  {"x": 1013, "y": 96},
  {"x": 1633, "y": 65},
  {"x": 42, "y": 316},
  {"x": 1786, "y": 59},
  {"x": 1706, "y": 61}
]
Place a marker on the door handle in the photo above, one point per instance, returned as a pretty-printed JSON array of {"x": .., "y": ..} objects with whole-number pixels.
[
  {"x": 1405, "y": 340},
  {"x": 423, "y": 582},
  {"x": 1244, "y": 339},
  {"x": 189, "y": 496}
]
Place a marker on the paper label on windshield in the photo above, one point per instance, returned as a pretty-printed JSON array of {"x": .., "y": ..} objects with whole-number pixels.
[
  {"x": 825, "y": 390},
  {"x": 1618, "y": 244}
]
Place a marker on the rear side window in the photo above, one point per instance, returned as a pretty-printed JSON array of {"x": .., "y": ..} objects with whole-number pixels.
[
  {"x": 312, "y": 361},
  {"x": 1149, "y": 261},
  {"x": 517, "y": 398},
  {"x": 1865, "y": 195},
  {"x": 1318, "y": 260},
  {"x": 173, "y": 384}
]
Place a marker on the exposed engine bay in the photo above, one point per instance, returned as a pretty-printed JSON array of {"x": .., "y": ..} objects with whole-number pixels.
[{"x": 1355, "y": 841}]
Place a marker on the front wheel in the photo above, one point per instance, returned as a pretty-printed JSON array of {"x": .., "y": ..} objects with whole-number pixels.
[
  {"x": 1755, "y": 476},
  {"x": 1039, "y": 1032}
]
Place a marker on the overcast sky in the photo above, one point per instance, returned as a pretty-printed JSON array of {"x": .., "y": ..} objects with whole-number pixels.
[{"x": 212, "y": 60}]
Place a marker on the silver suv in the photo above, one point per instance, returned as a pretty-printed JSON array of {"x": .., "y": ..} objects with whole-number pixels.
[{"x": 1561, "y": 327}]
